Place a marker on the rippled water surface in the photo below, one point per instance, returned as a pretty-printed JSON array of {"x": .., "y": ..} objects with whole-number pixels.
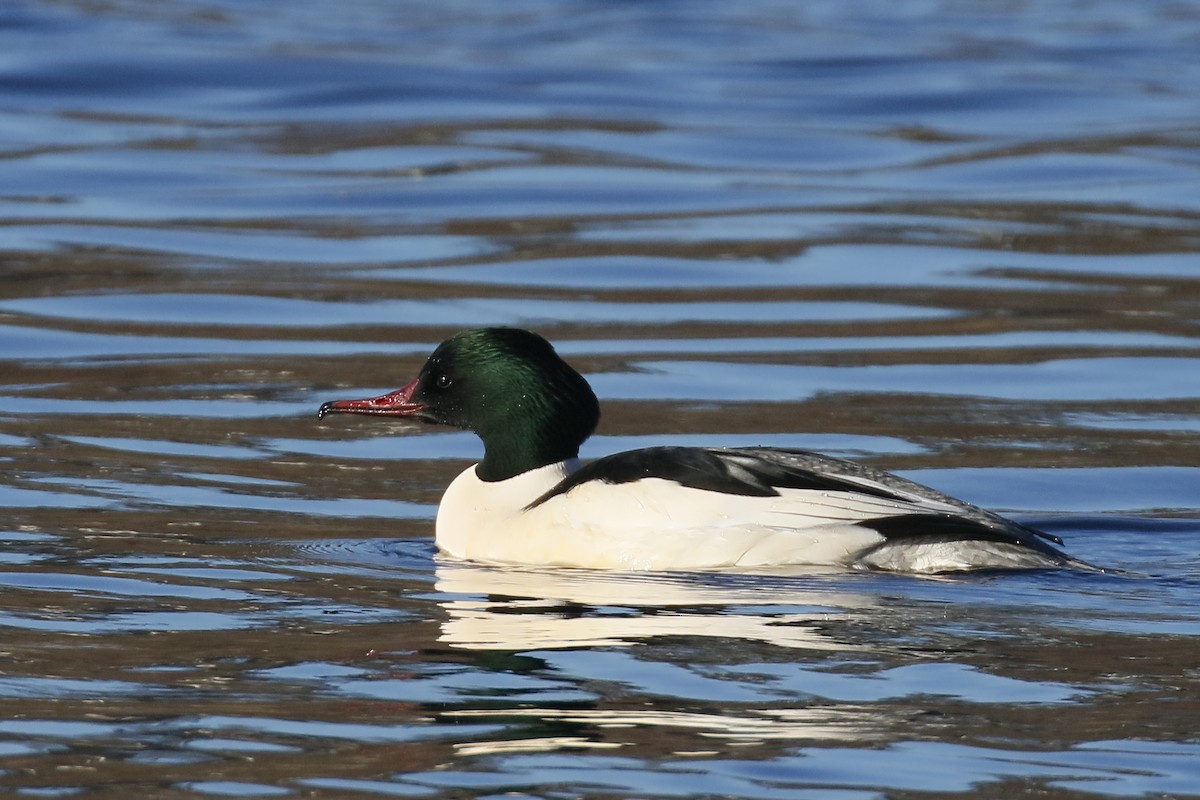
[{"x": 953, "y": 239}]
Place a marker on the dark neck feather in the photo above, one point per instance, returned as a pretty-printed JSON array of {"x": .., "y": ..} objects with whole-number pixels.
[
  {"x": 544, "y": 429},
  {"x": 507, "y": 385},
  {"x": 506, "y": 456}
]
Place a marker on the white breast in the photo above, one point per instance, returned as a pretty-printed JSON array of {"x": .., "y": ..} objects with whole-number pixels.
[
  {"x": 474, "y": 512},
  {"x": 649, "y": 524}
]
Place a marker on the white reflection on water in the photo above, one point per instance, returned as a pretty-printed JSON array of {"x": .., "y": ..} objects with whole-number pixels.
[
  {"x": 836, "y": 723},
  {"x": 1104, "y": 768},
  {"x": 532, "y": 609},
  {"x": 560, "y": 616}
]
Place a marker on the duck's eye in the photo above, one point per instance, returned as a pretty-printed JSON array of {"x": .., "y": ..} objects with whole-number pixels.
[{"x": 442, "y": 381}]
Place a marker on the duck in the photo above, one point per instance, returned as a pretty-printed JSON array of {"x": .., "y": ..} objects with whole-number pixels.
[{"x": 532, "y": 501}]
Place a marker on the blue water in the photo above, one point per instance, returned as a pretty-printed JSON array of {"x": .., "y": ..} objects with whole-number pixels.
[{"x": 950, "y": 239}]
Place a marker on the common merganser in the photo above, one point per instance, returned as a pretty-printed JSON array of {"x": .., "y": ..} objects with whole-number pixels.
[{"x": 531, "y": 501}]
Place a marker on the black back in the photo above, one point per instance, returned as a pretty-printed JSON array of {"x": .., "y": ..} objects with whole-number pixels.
[{"x": 763, "y": 472}]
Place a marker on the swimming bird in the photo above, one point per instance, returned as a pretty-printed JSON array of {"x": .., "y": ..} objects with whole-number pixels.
[{"x": 531, "y": 501}]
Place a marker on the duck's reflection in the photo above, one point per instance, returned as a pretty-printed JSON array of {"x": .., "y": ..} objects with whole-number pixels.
[
  {"x": 614, "y": 728},
  {"x": 513, "y": 608},
  {"x": 529, "y": 609}
]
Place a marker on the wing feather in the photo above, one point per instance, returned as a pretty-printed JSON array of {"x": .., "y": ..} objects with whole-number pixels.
[{"x": 824, "y": 488}]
